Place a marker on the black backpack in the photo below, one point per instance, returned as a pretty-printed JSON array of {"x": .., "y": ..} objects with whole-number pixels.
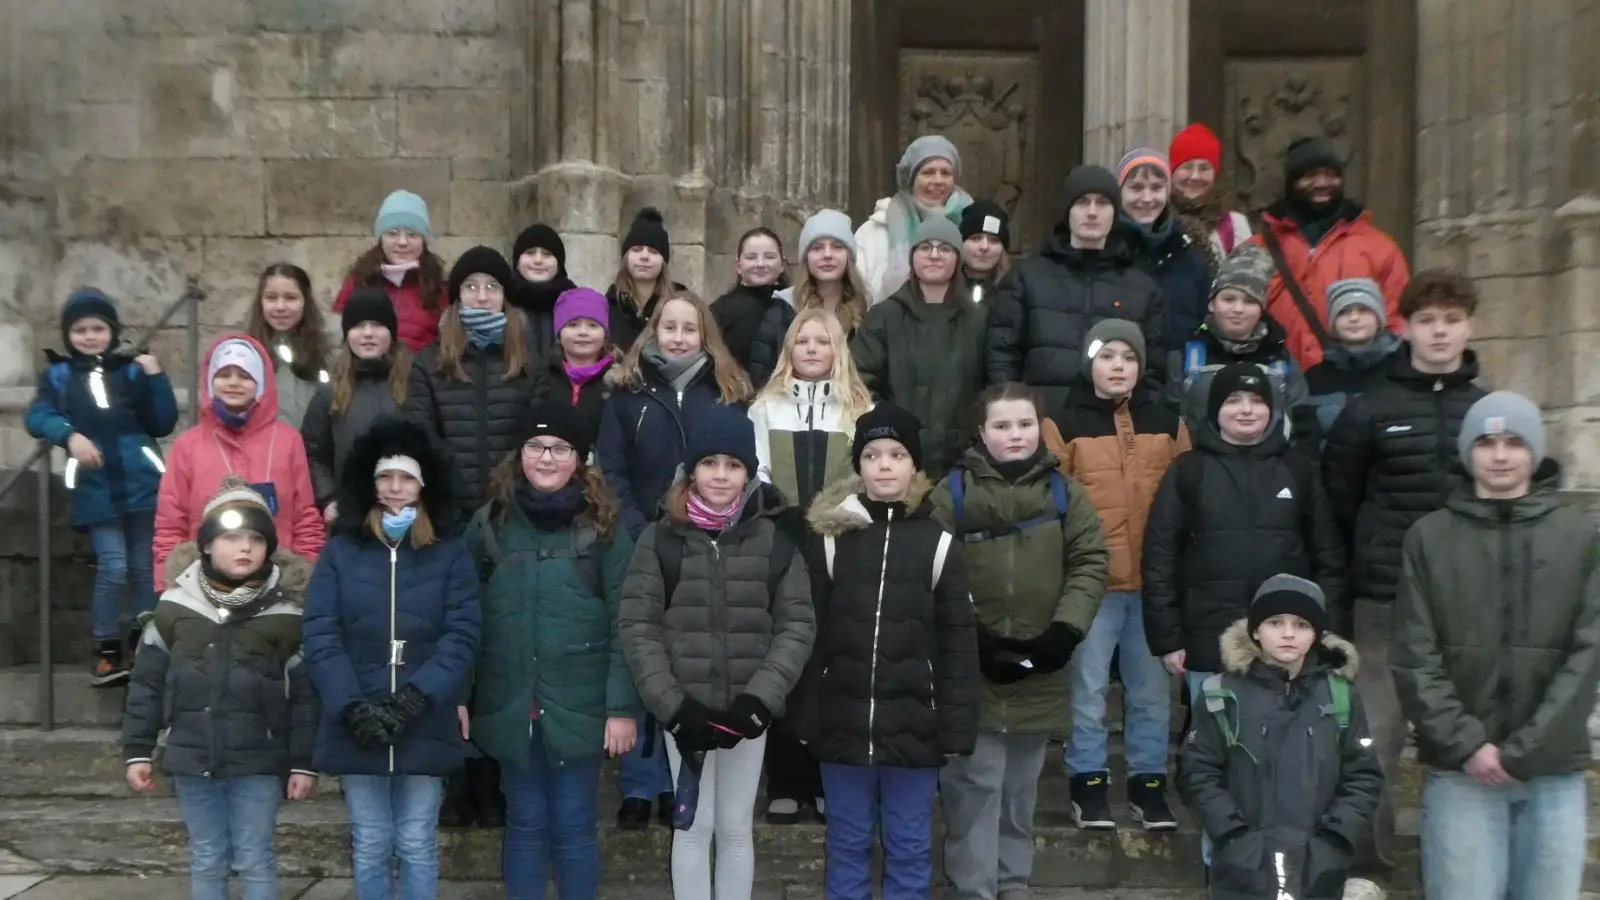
[
  {"x": 580, "y": 550},
  {"x": 670, "y": 547}
]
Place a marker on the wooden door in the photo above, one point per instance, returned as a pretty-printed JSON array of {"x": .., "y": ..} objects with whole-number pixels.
[
  {"x": 1263, "y": 72},
  {"x": 1003, "y": 79}
]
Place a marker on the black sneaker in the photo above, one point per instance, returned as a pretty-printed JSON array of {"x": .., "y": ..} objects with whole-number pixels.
[
  {"x": 666, "y": 808},
  {"x": 455, "y": 809},
  {"x": 634, "y": 814},
  {"x": 1091, "y": 801},
  {"x": 108, "y": 669},
  {"x": 1147, "y": 794}
]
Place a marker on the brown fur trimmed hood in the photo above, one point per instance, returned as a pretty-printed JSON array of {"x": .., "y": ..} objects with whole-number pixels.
[
  {"x": 1239, "y": 650},
  {"x": 836, "y": 511},
  {"x": 294, "y": 571}
]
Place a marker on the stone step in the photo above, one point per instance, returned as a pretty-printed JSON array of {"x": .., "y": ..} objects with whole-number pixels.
[{"x": 77, "y": 703}]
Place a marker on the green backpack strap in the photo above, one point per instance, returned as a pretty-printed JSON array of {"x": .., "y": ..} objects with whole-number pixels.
[
  {"x": 1339, "y": 690},
  {"x": 1217, "y": 697}
]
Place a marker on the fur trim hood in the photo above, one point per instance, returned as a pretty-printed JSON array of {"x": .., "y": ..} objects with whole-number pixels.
[
  {"x": 294, "y": 571},
  {"x": 358, "y": 488},
  {"x": 1239, "y": 652},
  {"x": 838, "y": 511}
]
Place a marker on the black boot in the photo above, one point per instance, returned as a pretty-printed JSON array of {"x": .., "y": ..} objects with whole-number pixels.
[
  {"x": 483, "y": 787},
  {"x": 456, "y": 810},
  {"x": 666, "y": 808},
  {"x": 108, "y": 668}
]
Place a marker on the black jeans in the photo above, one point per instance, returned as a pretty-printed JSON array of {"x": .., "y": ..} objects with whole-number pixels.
[{"x": 1373, "y": 622}]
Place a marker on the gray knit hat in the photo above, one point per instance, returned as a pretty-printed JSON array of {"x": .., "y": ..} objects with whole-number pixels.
[
  {"x": 1348, "y": 292},
  {"x": 919, "y": 151},
  {"x": 1107, "y": 330},
  {"x": 937, "y": 228},
  {"x": 1502, "y": 412},
  {"x": 1292, "y": 595},
  {"x": 1248, "y": 268},
  {"x": 827, "y": 223}
]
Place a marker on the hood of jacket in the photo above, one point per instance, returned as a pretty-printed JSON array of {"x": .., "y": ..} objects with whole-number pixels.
[
  {"x": 838, "y": 510},
  {"x": 294, "y": 572},
  {"x": 1369, "y": 357},
  {"x": 358, "y": 484},
  {"x": 1544, "y": 499},
  {"x": 265, "y": 411},
  {"x": 1205, "y": 435},
  {"x": 1334, "y": 653}
]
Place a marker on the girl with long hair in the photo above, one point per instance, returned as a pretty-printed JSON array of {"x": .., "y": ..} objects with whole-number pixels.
[
  {"x": 287, "y": 321},
  {"x": 643, "y": 277},
  {"x": 761, "y": 270},
  {"x": 828, "y": 279},
  {"x": 402, "y": 265}
]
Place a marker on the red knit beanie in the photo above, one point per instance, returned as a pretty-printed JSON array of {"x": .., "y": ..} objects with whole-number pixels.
[{"x": 1196, "y": 142}]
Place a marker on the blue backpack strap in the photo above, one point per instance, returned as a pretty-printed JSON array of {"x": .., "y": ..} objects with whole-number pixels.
[
  {"x": 1194, "y": 356},
  {"x": 1058, "y": 493},
  {"x": 1058, "y": 496},
  {"x": 958, "y": 492}
]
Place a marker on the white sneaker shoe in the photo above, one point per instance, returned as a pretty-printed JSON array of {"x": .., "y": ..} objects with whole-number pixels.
[{"x": 1362, "y": 889}]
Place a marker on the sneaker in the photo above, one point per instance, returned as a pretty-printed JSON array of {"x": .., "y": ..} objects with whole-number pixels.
[
  {"x": 821, "y": 807},
  {"x": 1091, "y": 801},
  {"x": 634, "y": 814},
  {"x": 1147, "y": 795},
  {"x": 108, "y": 670},
  {"x": 1362, "y": 889},
  {"x": 667, "y": 808},
  {"x": 783, "y": 811}
]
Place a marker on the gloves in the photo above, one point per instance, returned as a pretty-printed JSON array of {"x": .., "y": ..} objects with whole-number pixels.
[
  {"x": 748, "y": 716},
  {"x": 1052, "y": 650},
  {"x": 372, "y": 724},
  {"x": 407, "y": 704},
  {"x": 998, "y": 658},
  {"x": 691, "y": 727}
]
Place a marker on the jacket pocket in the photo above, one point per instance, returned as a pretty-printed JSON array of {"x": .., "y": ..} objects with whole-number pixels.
[
  {"x": 1239, "y": 865},
  {"x": 274, "y": 699}
]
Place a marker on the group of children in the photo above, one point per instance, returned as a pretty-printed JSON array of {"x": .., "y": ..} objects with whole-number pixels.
[{"x": 550, "y": 525}]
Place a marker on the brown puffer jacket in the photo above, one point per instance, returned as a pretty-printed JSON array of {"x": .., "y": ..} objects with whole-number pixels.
[{"x": 1118, "y": 451}]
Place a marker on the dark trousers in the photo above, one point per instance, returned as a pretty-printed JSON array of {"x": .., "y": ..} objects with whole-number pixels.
[
  {"x": 791, "y": 772},
  {"x": 1373, "y": 622}
]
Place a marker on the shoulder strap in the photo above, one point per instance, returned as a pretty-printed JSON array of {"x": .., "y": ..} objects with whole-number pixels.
[
  {"x": 584, "y": 538},
  {"x": 1270, "y": 237},
  {"x": 939, "y": 555},
  {"x": 490, "y": 541},
  {"x": 1058, "y": 493},
  {"x": 1217, "y": 697},
  {"x": 828, "y": 550},
  {"x": 669, "y": 553},
  {"x": 958, "y": 492},
  {"x": 1339, "y": 691},
  {"x": 1188, "y": 466},
  {"x": 1194, "y": 357},
  {"x": 1225, "y": 231},
  {"x": 778, "y": 563}
]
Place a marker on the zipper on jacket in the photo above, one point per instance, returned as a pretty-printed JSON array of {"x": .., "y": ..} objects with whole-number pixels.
[
  {"x": 396, "y": 648},
  {"x": 877, "y": 622}
]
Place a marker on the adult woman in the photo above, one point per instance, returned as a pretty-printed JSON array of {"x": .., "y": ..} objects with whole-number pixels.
[
  {"x": 922, "y": 349},
  {"x": 554, "y": 695},
  {"x": 540, "y": 260},
  {"x": 828, "y": 280},
  {"x": 370, "y": 381},
  {"x": 761, "y": 270},
  {"x": 285, "y": 319},
  {"x": 1196, "y": 158},
  {"x": 1163, "y": 244},
  {"x": 985, "y": 235},
  {"x": 238, "y": 434},
  {"x": 926, "y": 182},
  {"x": 642, "y": 279},
  {"x": 402, "y": 265},
  {"x": 583, "y": 355},
  {"x": 390, "y": 633}
]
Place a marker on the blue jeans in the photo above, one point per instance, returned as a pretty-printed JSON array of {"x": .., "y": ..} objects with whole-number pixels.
[
  {"x": 232, "y": 824},
  {"x": 646, "y": 777},
  {"x": 123, "y": 556},
  {"x": 394, "y": 815},
  {"x": 858, "y": 796},
  {"x": 1524, "y": 841},
  {"x": 551, "y": 818},
  {"x": 1146, "y": 697}
]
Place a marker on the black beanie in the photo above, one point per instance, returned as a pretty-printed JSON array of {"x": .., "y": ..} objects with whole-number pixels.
[
  {"x": 369, "y": 304},
  {"x": 557, "y": 419},
  {"x": 545, "y": 238},
  {"x": 722, "y": 430},
  {"x": 888, "y": 421},
  {"x": 479, "y": 259},
  {"x": 649, "y": 230},
  {"x": 986, "y": 217},
  {"x": 1091, "y": 180},
  {"x": 1239, "y": 376},
  {"x": 89, "y": 303},
  {"x": 237, "y": 506},
  {"x": 1307, "y": 153},
  {"x": 1289, "y": 595}
]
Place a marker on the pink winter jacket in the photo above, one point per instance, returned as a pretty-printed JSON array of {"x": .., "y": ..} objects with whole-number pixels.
[{"x": 265, "y": 450}]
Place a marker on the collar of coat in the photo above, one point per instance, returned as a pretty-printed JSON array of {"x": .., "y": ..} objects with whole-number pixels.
[
  {"x": 838, "y": 510},
  {"x": 294, "y": 572},
  {"x": 1240, "y": 652}
]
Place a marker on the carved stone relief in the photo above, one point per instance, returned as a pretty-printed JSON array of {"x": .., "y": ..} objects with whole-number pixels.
[
  {"x": 986, "y": 104},
  {"x": 1270, "y": 102}
]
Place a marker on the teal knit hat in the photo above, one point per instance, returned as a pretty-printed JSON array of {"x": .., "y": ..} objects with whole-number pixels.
[{"x": 403, "y": 209}]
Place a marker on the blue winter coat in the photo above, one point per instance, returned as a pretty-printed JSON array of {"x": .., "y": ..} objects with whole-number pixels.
[
  {"x": 1177, "y": 261},
  {"x": 363, "y": 598},
  {"x": 643, "y": 433},
  {"x": 139, "y": 409}
]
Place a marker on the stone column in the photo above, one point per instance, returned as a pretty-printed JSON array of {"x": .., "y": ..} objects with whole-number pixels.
[{"x": 1136, "y": 75}]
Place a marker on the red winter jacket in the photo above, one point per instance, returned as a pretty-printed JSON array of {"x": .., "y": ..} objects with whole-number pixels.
[{"x": 418, "y": 327}]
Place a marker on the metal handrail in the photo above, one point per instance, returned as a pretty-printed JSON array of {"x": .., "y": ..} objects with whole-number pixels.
[{"x": 192, "y": 296}]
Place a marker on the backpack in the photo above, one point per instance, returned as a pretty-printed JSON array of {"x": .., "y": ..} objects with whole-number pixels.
[
  {"x": 59, "y": 374},
  {"x": 580, "y": 550},
  {"x": 1217, "y": 697},
  {"x": 670, "y": 547},
  {"x": 958, "y": 494},
  {"x": 830, "y": 547}
]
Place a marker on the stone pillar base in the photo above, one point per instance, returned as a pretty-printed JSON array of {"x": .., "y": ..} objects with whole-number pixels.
[{"x": 583, "y": 202}]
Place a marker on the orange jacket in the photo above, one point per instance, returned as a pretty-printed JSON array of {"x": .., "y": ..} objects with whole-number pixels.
[
  {"x": 1353, "y": 248},
  {"x": 1118, "y": 452}
]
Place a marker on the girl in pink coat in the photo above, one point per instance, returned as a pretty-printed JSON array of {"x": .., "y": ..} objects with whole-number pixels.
[{"x": 239, "y": 434}]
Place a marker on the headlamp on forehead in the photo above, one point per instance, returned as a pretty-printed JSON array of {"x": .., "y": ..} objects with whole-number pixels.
[{"x": 231, "y": 520}]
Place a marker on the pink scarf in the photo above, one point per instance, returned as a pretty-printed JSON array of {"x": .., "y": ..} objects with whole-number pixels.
[
  {"x": 709, "y": 519},
  {"x": 582, "y": 375}
]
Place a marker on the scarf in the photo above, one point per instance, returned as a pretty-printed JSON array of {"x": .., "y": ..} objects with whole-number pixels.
[
  {"x": 1151, "y": 237},
  {"x": 582, "y": 375},
  {"x": 1243, "y": 347},
  {"x": 708, "y": 519},
  {"x": 396, "y": 273},
  {"x": 1364, "y": 357},
  {"x": 550, "y": 510},
  {"x": 484, "y": 328},
  {"x": 230, "y": 420},
  {"x": 396, "y": 524},
  {"x": 235, "y": 593},
  {"x": 903, "y": 216},
  {"x": 1315, "y": 220},
  {"x": 1206, "y": 210},
  {"x": 680, "y": 372}
]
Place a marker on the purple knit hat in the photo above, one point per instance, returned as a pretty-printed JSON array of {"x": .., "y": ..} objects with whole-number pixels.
[{"x": 582, "y": 303}]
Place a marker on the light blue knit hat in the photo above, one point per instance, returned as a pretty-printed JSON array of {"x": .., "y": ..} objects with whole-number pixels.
[
  {"x": 403, "y": 209},
  {"x": 919, "y": 151},
  {"x": 827, "y": 223}
]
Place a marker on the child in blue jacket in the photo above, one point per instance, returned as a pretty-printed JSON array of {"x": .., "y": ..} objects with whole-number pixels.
[{"x": 107, "y": 409}]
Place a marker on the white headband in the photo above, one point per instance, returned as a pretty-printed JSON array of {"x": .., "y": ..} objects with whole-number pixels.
[{"x": 400, "y": 464}]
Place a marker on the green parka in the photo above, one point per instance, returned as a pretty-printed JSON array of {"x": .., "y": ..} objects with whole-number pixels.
[
  {"x": 1496, "y": 630},
  {"x": 549, "y": 642},
  {"x": 1022, "y": 582}
]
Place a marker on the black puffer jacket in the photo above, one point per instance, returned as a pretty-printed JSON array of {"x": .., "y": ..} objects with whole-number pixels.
[
  {"x": 894, "y": 678},
  {"x": 328, "y": 438},
  {"x": 627, "y": 325},
  {"x": 739, "y": 314},
  {"x": 1043, "y": 310},
  {"x": 477, "y": 419},
  {"x": 1247, "y": 517},
  {"x": 592, "y": 395},
  {"x": 1391, "y": 459},
  {"x": 537, "y": 300},
  {"x": 231, "y": 688}
]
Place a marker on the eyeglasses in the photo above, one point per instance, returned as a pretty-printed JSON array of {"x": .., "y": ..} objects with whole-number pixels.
[
  {"x": 935, "y": 249},
  {"x": 559, "y": 452},
  {"x": 488, "y": 287}
]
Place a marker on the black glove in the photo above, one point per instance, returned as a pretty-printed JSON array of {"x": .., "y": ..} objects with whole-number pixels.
[
  {"x": 691, "y": 727},
  {"x": 406, "y": 705},
  {"x": 999, "y": 659},
  {"x": 1052, "y": 650},
  {"x": 1337, "y": 841},
  {"x": 748, "y": 716},
  {"x": 372, "y": 724}
]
